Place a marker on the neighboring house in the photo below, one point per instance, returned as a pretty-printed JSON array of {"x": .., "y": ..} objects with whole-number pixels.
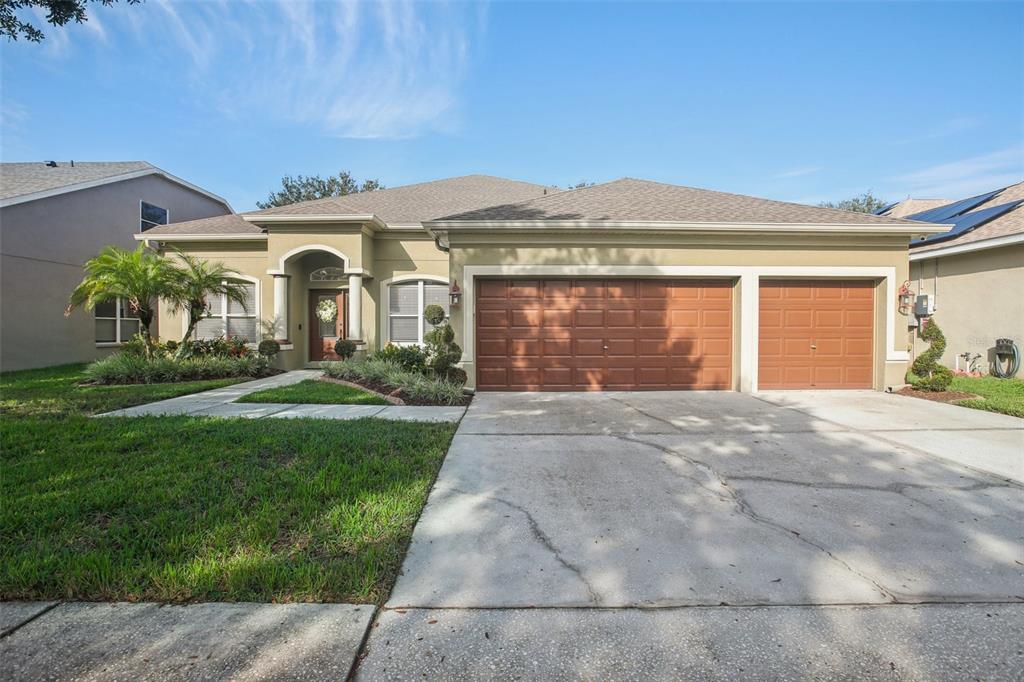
[
  {"x": 625, "y": 285},
  {"x": 54, "y": 217},
  {"x": 974, "y": 271}
]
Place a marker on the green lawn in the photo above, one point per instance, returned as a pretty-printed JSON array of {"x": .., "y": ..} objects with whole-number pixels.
[
  {"x": 200, "y": 509},
  {"x": 314, "y": 391},
  {"x": 1000, "y": 395},
  {"x": 52, "y": 392}
]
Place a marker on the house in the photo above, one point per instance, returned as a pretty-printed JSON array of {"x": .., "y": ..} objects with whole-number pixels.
[
  {"x": 53, "y": 217},
  {"x": 630, "y": 284},
  {"x": 974, "y": 272}
]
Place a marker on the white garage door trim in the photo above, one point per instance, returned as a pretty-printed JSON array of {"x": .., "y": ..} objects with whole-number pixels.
[{"x": 749, "y": 282}]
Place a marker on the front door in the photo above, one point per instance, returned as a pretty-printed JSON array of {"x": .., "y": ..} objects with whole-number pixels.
[{"x": 323, "y": 333}]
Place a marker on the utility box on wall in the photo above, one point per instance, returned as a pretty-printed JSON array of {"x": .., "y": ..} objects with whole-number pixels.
[{"x": 924, "y": 306}]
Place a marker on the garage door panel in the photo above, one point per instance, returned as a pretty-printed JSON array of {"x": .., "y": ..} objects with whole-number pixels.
[
  {"x": 615, "y": 334},
  {"x": 816, "y": 334}
]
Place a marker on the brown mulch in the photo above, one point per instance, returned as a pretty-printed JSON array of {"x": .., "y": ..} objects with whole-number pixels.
[
  {"x": 938, "y": 396},
  {"x": 394, "y": 396}
]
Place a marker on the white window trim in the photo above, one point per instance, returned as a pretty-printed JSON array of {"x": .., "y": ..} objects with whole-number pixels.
[
  {"x": 749, "y": 283},
  {"x": 224, "y": 316},
  {"x": 117, "y": 326},
  {"x": 166, "y": 210},
  {"x": 385, "y": 308}
]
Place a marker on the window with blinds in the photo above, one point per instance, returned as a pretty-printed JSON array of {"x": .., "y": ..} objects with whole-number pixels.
[
  {"x": 231, "y": 318},
  {"x": 406, "y": 302},
  {"x": 115, "y": 322}
]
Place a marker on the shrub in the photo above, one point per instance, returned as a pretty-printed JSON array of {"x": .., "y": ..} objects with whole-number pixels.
[
  {"x": 385, "y": 373},
  {"x": 412, "y": 358},
  {"x": 268, "y": 348},
  {"x": 344, "y": 348},
  {"x": 443, "y": 354},
  {"x": 127, "y": 368},
  {"x": 926, "y": 373}
]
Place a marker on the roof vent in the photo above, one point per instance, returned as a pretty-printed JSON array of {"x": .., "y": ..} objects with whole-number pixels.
[{"x": 51, "y": 164}]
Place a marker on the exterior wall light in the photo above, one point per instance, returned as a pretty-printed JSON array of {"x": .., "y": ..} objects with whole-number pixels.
[{"x": 455, "y": 293}]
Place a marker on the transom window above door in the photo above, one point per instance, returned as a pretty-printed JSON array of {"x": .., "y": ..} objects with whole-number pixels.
[
  {"x": 406, "y": 302},
  {"x": 330, "y": 274}
]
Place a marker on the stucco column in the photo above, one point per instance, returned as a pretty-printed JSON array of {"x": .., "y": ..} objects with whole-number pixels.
[
  {"x": 281, "y": 304},
  {"x": 749, "y": 297},
  {"x": 355, "y": 307}
]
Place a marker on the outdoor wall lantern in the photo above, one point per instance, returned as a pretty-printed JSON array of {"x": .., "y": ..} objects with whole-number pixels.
[{"x": 455, "y": 293}]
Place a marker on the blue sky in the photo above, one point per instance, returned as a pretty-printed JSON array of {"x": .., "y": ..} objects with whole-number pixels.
[{"x": 801, "y": 102}]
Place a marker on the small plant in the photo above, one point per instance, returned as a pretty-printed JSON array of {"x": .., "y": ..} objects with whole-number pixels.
[
  {"x": 926, "y": 373},
  {"x": 443, "y": 354},
  {"x": 344, "y": 348},
  {"x": 385, "y": 374},
  {"x": 412, "y": 358},
  {"x": 268, "y": 348}
]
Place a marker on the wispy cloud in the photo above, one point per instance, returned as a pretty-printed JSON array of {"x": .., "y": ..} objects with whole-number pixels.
[
  {"x": 964, "y": 177},
  {"x": 352, "y": 69},
  {"x": 944, "y": 129},
  {"x": 798, "y": 172}
]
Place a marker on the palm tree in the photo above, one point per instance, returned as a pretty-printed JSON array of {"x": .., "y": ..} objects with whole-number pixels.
[
  {"x": 139, "y": 278},
  {"x": 194, "y": 279}
]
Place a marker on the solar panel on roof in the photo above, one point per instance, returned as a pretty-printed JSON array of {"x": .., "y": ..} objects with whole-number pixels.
[
  {"x": 885, "y": 209},
  {"x": 969, "y": 221},
  {"x": 946, "y": 214}
]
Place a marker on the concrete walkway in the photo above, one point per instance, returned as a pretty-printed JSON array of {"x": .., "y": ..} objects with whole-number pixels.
[
  {"x": 220, "y": 402},
  {"x": 90, "y": 641},
  {"x": 825, "y": 535}
]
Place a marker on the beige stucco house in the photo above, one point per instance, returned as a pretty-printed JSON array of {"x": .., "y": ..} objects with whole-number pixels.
[
  {"x": 974, "y": 272},
  {"x": 53, "y": 217},
  {"x": 626, "y": 285}
]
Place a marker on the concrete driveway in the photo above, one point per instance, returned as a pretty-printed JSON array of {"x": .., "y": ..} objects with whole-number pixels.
[{"x": 688, "y": 513}]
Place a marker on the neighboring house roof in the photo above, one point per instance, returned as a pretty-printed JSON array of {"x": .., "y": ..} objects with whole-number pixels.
[
  {"x": 632, "y": 200},
  {"x": 21, "y": 182},
  {"x": 397, "y": 206},
  {"x": 909, "y": 206},
  {"x": 996, "y": 220}
]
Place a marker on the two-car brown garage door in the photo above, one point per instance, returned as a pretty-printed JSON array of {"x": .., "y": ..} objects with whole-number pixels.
[{"x": 620, "y": 334}]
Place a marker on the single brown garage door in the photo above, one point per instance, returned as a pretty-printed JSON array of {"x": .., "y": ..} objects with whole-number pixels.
[
  {"x": 816, "y": 334},
  {"x": 620, "y": 334}
]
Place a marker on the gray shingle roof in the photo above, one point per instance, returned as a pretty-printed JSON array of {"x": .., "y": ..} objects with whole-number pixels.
[
  {"x": 19, "y": 179},
  {"x": 630, "y": 199},
  {"x": 1007, "y": 224},
  {"x": 405, "y": 205}
]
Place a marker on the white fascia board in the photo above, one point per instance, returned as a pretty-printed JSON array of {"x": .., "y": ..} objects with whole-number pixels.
[
  {"x": 954, "y": 249},
  {"x": 206, "y": 237},
  {"x": 278, "y": 218},
  {"x": 56, "y": 191},
  {"x": 654, "y": 226}
]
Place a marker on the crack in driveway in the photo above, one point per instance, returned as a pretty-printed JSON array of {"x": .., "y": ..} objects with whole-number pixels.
[
  {"x": 542, "y": 537},
  {"x": 725, "y": 491}
]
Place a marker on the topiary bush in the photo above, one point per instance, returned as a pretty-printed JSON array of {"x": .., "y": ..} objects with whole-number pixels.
[
  {"x": 926, "y": 373},
  {"x": 268, "y": 348},
  {"x": 443, "y": 354},
  {"x": 345, "y": 348}
]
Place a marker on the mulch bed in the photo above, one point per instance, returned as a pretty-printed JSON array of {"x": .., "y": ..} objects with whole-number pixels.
[
  {"x": 938, "y": 396},
  {"x": 393, "y": 396}
]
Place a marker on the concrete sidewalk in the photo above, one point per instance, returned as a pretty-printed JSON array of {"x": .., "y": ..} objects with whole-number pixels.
[
  {"x": 220, "y": 402},
  {"x": 90, "y": 641}
]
